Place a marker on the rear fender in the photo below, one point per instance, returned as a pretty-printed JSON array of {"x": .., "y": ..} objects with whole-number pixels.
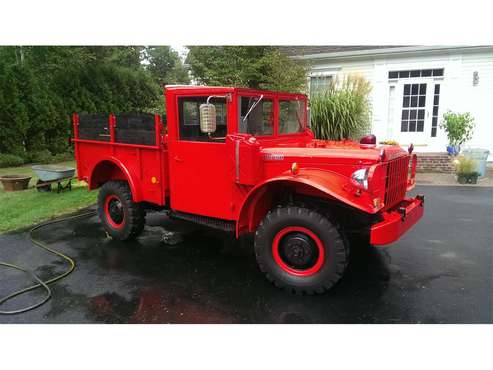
[
  {"x": 110, "y": 168},
  {"x": 318, "y": 183}
]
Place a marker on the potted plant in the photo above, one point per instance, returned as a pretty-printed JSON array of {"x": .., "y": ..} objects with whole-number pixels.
[
  {"x": 15, "y": 182},
  {"x": 459, "y": 128},
  {"x": 465, "y": 168}
]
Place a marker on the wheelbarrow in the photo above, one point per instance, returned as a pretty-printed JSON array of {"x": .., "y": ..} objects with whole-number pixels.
[{"x": 53, "y": 174}]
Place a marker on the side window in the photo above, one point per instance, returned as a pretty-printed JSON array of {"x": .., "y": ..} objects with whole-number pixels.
[
  {"x": 189, "y": 119},
  {"x": 256, "y": 117},
  {"x": 291, "y": 116}
]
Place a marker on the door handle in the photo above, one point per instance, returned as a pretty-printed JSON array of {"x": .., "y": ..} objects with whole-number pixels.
[{"x": 178, "y": 159}]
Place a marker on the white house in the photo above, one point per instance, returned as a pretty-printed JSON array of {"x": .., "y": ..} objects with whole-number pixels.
[{"x": 413, "y": 86}]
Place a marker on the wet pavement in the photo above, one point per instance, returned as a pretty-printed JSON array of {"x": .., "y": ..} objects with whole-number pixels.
[{"x": 440, "y": 272}]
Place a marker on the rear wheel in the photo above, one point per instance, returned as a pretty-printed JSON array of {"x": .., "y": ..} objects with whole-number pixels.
[
  {"x": 301, "y": 250},
  {"x": 122, "y": 218}
]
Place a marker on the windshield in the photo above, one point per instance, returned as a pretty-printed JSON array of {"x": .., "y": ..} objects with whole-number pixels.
[
  {"x": 291, "y": 116},
  {"x": 256, "y": 116}
]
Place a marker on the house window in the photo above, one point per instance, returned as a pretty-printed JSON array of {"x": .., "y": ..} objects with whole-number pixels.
[
  {"x": 413, "y": 108},
  {"x": 319, "y": 83},
  {"x": 434, "y": 119},
  {"x": 438, "y": 72}
]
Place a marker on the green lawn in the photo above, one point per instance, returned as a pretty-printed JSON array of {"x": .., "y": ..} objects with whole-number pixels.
[{"x": 23, "y": 208}]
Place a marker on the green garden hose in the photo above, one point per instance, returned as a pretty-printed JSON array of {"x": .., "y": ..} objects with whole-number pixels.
[{"x": 41, "y": 283}]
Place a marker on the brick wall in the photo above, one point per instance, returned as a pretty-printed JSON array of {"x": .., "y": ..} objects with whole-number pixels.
[{"x": 435, "y": 162}]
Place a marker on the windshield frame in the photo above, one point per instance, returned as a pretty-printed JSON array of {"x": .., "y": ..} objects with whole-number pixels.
[
  {"x": 276, "y": 98},
  {"x": 302, "y": 121}
]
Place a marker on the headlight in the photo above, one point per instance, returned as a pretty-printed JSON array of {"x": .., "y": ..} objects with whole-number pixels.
[{"x": 360, "y": 177}]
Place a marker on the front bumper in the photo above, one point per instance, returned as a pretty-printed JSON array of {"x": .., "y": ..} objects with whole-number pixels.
[{"x": 397, "y": 221}]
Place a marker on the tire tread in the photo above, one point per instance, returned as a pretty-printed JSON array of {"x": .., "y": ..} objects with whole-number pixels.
[
  {"x": 136, "y": 214},
  {"x": 325, "y": 222}
]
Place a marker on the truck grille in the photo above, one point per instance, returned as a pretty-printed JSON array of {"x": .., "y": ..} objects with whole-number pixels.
[{"x": 396, "y": 184}]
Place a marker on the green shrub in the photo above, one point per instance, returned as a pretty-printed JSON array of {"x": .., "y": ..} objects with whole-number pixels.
[
  {"x": 343, "y": 110},
  {"x": 62, "y": 157},
  {"x": 41, "y": 156},
  {"x": 466, "y": 169},
  {"x": 458, "y": 126},
  {"x": 10, "y": 160},
  {"x": 45, "y": 156},
  {"x": 465, "y": 165}
]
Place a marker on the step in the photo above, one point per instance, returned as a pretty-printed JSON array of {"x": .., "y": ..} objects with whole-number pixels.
[{"x": 435, "y": 162}]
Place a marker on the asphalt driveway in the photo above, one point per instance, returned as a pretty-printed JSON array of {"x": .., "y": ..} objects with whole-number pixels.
[{"x": 440, "y": 272}]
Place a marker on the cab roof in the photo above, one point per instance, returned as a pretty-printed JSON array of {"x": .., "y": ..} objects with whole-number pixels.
[{"x": 240, "y": 90}]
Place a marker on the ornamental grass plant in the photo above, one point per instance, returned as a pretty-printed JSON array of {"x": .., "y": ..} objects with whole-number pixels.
[{"x": 342, "y": 110}]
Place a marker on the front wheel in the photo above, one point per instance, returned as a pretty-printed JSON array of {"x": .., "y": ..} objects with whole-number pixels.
[
  {"x": 301, "y": 250},
  {"x": 122, "y": 218}
]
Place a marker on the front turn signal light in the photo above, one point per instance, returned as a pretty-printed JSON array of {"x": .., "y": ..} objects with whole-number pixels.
[{"x": 295, "y": 168}]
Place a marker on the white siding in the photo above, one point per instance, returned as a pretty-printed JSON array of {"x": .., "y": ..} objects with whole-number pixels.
[
  {"x": 478, "y": 100},
  {"x": 457, "y": 91}
]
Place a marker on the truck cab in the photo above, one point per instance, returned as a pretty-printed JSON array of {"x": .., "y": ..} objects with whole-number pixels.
[{"x": 245, "y": 161}]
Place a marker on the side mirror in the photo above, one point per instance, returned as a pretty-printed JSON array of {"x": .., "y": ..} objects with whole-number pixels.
[{"x": 207, "y": 118}]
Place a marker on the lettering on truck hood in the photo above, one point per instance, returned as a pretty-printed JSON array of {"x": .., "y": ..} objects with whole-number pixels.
[
  {"x": 317, "y": 154},
  {"x": 270, "y": 157}
]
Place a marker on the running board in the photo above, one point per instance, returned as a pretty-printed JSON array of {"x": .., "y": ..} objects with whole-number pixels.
[{"x": 215, "y": 223}]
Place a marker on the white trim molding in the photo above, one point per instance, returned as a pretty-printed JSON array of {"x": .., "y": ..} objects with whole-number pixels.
[{"x": 396, "y": 51}]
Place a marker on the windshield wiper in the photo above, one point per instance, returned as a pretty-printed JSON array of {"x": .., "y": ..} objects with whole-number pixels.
[{"x": 252, "y": 107}]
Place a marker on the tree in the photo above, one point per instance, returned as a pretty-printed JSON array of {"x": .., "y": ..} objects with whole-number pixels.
[
  {"x": 166, "y": 66},
  {"x": 14, "y": 120},
  {"x": 40, "y": 86},
  {"x": 260, "y": 67}
]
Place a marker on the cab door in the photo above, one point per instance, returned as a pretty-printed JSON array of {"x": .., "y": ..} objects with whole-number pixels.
[{"x": 200, "y": 169}]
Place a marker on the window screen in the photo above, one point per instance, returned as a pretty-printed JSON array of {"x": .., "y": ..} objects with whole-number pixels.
[
  {"x": 189, "y": 119},
  {"x": 319, "y": 84}
]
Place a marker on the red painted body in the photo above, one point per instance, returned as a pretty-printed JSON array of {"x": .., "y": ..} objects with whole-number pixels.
[{"x": 237, "y": 180}]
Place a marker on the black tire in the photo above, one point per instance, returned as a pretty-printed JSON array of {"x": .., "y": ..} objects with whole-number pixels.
[
  {"x": 128, "y": 218},
  {"x": 313, "y": 277}
]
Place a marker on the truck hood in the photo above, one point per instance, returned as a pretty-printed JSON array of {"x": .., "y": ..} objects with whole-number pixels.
[{"x": 344, "y": 152}]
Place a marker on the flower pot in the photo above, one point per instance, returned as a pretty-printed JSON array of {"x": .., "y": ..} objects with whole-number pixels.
[
  {"x": 15, "y": 182},
  {"x": 467, "y": 178},
  {"x": 453, "y": 149}
]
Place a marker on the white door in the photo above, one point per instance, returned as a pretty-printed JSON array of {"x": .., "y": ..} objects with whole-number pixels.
[{"x": 414, "y": 111}]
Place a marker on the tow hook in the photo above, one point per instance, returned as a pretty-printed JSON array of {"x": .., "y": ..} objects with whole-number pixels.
[{"x": 421, "y": 198}]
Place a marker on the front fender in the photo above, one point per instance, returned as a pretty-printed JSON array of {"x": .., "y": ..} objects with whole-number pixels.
[
  {"x": 336, "y": 186},
  {"x": 331, "y": 184}
]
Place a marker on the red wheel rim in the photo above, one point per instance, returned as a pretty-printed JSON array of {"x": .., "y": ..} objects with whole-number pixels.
[
  {"x": 113, "y": 210},
  {"x": 313, "y": 268}
]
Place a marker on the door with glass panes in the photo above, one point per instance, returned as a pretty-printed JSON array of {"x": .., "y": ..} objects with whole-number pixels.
[{"x": 417, "y": 111}]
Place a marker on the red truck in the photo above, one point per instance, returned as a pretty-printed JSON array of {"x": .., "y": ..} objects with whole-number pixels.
[{"x": 245, "y": 161}]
